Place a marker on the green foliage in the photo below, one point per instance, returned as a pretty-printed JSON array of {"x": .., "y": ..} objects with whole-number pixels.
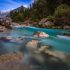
[
  {"x": 51, "y": 18},
  {"x": 62, "y": 10},
  {"x": 16, "y": 16}
]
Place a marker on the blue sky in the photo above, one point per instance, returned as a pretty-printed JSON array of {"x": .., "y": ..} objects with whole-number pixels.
[{"x": 7, "y": 5}]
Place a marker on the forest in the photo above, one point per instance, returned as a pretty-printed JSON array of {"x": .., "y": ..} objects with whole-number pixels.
[{"x": 55, "y": 10}]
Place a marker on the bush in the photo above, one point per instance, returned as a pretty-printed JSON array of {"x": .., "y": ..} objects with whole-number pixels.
[{"x": 50, "y": 18}]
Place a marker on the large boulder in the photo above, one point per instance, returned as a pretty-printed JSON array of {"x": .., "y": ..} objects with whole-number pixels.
[
  {"x": 41, "y": 34},
  {"x": 45, "y": 22}
]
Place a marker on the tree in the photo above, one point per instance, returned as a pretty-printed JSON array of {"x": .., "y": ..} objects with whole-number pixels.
[{"x": 62, "y": 14}]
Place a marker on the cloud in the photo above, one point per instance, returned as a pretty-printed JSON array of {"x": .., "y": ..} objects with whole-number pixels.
[
  {"x": 6, "y": 5},
  {"x": 25, "y": 6}
]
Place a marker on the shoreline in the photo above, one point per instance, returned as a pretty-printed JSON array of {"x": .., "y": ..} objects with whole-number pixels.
[{"x": 4, "y": 29}]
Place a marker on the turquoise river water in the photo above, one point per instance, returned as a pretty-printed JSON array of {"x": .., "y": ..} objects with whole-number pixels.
[{"x": 26, "y": 33}]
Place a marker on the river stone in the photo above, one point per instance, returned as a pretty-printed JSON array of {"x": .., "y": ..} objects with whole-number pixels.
[
  {"x": 41, "y": 34},
  {"x": 32, "y": 44}
]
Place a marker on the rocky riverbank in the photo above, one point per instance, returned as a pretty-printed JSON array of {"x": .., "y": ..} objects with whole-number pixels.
[{"x": 3, "y": 29}]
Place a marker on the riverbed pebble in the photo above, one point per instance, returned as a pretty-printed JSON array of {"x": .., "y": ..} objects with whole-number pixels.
[{"x": 11, "y": 57}]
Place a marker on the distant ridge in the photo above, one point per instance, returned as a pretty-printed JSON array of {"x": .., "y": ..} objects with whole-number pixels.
[
  {"x": 19, "y": 9},
  {"x": 4, "y": 14}
]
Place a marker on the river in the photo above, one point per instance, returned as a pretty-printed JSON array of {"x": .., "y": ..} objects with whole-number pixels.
[{"x": 26, "y": 33}]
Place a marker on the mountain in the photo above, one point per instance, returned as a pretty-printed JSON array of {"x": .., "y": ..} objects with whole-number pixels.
[
  {"x": 19, "y": 9},
  {"x": 4, "y": 14}
]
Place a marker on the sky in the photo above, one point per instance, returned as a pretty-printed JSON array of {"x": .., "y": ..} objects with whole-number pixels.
[{"x": 7, "y": 5}]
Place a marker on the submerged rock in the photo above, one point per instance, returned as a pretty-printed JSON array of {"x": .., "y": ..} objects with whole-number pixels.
[
  {"x": 48, "y": 50},
  {"x": 32, "y": 44},
  {"x": 11, "y": 39},
  {"x": 4, "y": 39},
  {"x": 65, "y": 57},
  {"x": 43, "y": 48}
]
